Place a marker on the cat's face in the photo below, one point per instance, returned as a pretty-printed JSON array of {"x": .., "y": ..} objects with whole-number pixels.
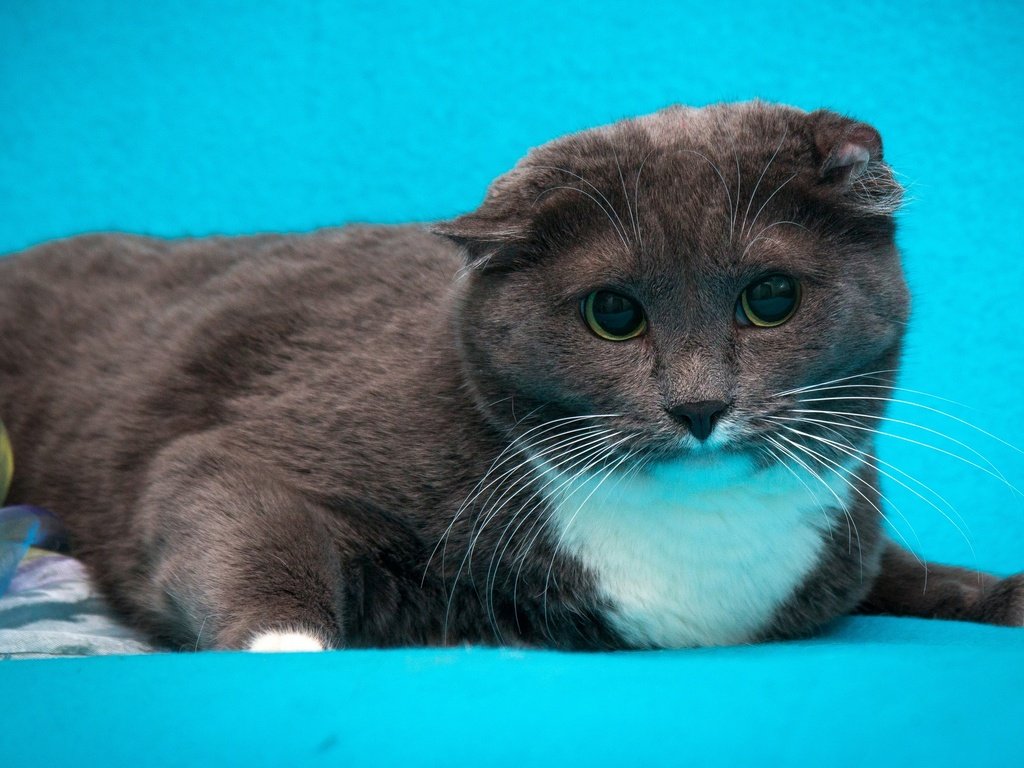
[{"x": 673, "y": 278}]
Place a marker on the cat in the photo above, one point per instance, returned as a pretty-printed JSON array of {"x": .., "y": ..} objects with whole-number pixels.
[{"x": 574, "y": 418}]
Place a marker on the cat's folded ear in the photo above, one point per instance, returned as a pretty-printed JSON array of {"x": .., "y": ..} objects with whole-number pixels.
[
  {"x": 850, "y": 162},
  {"x": 502, "y": 231},
  {"x": 498, "y": 228}
]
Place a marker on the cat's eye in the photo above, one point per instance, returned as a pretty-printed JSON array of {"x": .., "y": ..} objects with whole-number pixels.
[
  {"x": 769, "y": 301},
  {"x": 613, "y": 316}
]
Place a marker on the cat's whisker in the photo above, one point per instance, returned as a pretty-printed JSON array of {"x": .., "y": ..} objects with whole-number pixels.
[
  {"x": 873, "y": 461},
  {"x": 625, "y": 195},
  {"x": 760, "y": 178},
  {"x": 533, "y": 451},
  {"x": 838, "y": 469},
  {"x": 516, "y": 445},
  {"x": 490, "y": 510},
  {"x": 559, "y": 450},
  {"x": 916, "y": 405},
  {"x": 572, "y": 518},
  {"x": 528, "y": 543},
  {"x": 812, "y": 494},
  {"x": 739, "y": 187},
  {"x": 564, "y": 450},
  {"x": 850, "y": 522},
  {"x": 621, "y": 227},
  {"x": 513, "y": 448},
  {"x": 619, "y": 231},
  {"x": 636, "y": 197},
  {"x": 562, "y": 466},
  {"x": 903, "y": 438},
  {"x": 725, "y": 186},
  {"x": 846, "y": 444},
  {"x": 798, "y": 390},
  {"x": 761, "y": 234},
  {"x": 526, "y": 416},
  {"x": 993, "y": 469},
  {"x": 888, "y": 387},
  {"x": 765, "y": 203},
  {"x": 577, "y": 457},
  {"x": 533, "y": 534}
]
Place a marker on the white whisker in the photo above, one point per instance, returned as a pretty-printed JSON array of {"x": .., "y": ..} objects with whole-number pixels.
[
  {"x": 812, "y": 494},
  {"x": 850, "y": 522},
  {"x": 487, "y": 516},
  {"x": 765, "y": 203},
  {"x": 565, "y": 528},
  {"x": 621, "y": 227},
  {"x": 636, "y": 197},
  {"x": 618, "y": 231},
  {"x": 761, "y": 234},
  {"x": 625, "y": 195},
  {"x": 889, "y": 387},
  {"x": 918, "y": 405},
  {"x": 798, "y": 390},
  {"x": 583, "y": 455},
  {"x": 872, "y": 461},
  {"x": 995, "y": 472},
  {"x": 997, "y": 476},
  {"x": 514, "y": 447},
  {"x": 758, "y": 184},
  {"x": 725, "y": 186},
  {"x": 838, "y": 469}
]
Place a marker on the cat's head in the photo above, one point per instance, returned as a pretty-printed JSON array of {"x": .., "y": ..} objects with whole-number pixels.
[{"x": 683, "y": 279}]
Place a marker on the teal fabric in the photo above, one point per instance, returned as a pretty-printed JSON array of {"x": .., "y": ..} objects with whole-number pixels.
[
  {"x": 877, "y": 692},
  {"x": 199, "y": 116}
]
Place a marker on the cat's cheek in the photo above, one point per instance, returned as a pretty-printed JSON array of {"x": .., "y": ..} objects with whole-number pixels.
[{"x": 286, "y": 642}]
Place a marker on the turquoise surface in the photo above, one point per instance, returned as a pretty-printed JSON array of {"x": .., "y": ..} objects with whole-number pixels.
[
  {"x": 196, "y": 116},
  {"x": 877, "y": 692}
]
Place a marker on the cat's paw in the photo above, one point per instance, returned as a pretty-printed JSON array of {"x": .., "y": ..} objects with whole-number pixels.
[
  {"x": 1018, "y": 601},
  {"x": 288, "y": 641},
  {"x": 1004, "y": 603}
]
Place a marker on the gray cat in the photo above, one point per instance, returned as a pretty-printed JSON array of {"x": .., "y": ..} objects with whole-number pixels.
[{"x": 576, "y": 417}]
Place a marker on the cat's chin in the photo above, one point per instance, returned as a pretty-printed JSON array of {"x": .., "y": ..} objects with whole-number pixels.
[
  {"x": 729, "y": 459},
  {"x": 713, "y": 450}
]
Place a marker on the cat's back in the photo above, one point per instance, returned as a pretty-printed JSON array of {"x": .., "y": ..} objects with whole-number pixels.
[
  {"x": 132, "y": 339},
  {"x": 90, "y": 292},
  {"x": 110, "y": 274}
]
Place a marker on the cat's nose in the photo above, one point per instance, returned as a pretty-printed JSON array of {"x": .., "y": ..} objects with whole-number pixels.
[{"x": 700, "y": 416}]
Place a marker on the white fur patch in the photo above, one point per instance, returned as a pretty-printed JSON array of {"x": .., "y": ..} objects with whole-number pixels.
[
  {"x": 285, "y": 642},
  {"x": 700, "y": 551}
]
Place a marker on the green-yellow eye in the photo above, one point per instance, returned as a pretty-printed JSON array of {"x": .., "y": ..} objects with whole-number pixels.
[
  {"x": 769, "y": 301},
  {"x": 613, "y": 316}
]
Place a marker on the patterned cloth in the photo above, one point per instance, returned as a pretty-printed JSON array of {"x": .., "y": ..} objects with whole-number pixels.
[{"x": 52, "y": 609}]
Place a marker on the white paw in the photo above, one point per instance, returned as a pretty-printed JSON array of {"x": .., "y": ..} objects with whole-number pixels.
[{"x": 285, "y": 642}]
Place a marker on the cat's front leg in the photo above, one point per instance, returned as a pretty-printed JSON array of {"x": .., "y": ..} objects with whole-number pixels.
[
  {"x": 231, "y": 557},
  {"x": 907, "y": 587}
]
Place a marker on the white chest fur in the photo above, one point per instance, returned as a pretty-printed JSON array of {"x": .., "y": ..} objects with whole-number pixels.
[{"x": 700, "y": 552}]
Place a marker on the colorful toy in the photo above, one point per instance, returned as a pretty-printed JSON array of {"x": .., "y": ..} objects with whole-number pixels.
[{"x": 21, "y": 526}]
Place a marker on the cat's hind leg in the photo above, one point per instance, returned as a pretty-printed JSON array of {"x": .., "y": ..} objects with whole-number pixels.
[
  {"x": 907, "y": 587},
  {"x": 230, "y": 557}
]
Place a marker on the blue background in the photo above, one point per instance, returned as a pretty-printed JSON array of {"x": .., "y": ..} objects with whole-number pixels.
[{"x": 195, "y": 117}]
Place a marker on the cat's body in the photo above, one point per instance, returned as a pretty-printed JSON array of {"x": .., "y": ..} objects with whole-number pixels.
[
  {"x": 383, "y": 436},
  {"x": 240, "y": 339}
]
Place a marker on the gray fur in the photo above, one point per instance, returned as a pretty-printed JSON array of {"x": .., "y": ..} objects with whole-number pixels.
[{"x": 281, "y": 431}]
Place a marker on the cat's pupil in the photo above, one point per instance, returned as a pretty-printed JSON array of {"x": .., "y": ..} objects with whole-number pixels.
[
  {"x": 770, "y": 301},
  {"x": 616, "y": 313},
  {"x": 612, "y": 315}
]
